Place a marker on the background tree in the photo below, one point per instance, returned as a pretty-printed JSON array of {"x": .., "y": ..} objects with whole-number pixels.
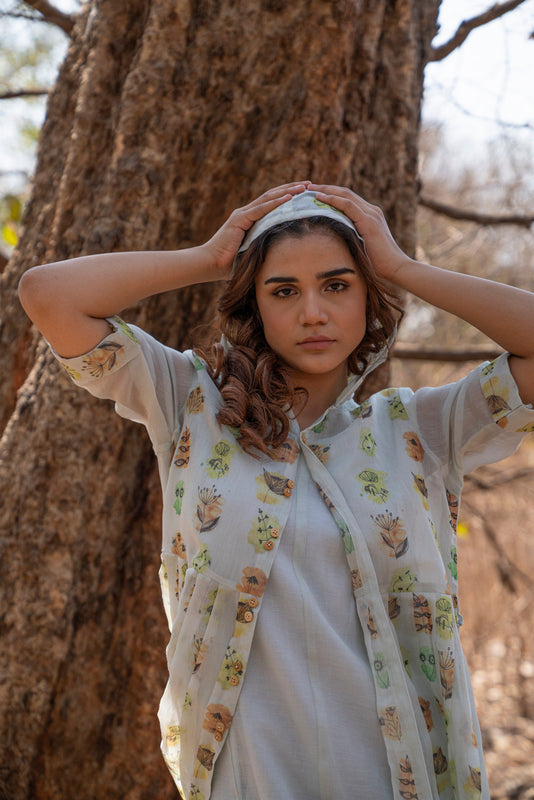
[{"x": 165, "y": 116}]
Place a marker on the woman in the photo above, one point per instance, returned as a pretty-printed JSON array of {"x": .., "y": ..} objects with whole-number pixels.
[{"x": 282, "y": 493}]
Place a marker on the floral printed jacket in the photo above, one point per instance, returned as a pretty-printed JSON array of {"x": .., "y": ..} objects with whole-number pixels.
[{"x": 390, "y": 471}]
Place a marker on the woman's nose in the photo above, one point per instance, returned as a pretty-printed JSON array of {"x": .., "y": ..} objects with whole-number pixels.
[{"x": 312, "y": 311}]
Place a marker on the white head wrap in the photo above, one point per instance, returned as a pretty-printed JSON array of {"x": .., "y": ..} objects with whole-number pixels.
[{"x": 299, "y": 206}]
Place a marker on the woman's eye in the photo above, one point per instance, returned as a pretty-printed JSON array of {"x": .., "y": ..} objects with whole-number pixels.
[
  {"x": 284, "y": 291},
  {"x": 336, "y": 286}
]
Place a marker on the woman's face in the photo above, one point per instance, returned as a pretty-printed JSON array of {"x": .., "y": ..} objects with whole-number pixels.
[{"x": 312, "y": 302}]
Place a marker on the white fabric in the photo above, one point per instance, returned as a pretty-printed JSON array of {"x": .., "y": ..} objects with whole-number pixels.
[{"x": 320, "y": 737}]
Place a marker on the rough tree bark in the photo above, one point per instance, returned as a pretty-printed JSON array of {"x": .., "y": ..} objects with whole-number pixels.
[{"x": 166, "y": 115}]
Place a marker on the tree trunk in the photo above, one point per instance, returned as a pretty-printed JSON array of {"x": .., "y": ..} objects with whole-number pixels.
[{"x": 166, "y": 115}]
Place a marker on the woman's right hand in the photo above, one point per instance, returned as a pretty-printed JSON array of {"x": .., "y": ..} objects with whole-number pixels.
[{"x": 223, "y": 246}]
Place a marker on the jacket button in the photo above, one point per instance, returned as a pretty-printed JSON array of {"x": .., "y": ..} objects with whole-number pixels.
[
  {"x": 268, "y": 545},
  {"x": 220, "y": 727},
  {"x": 275, "y": 533},
  {"x": 234, "y": 680},
  {"x": 291, "y": 484},
  {"x": 287, "y": 492},
  {"x": 248, "y": 616},
  {"x": 253, "y": 602},
  {"x": 218, "y": 736},
  {"x": 238, "y": 666}
]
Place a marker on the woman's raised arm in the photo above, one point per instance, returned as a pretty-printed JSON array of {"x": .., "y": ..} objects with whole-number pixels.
[
  {"x": 69, "y": 300},
  {"x": 502, "y": 312}
]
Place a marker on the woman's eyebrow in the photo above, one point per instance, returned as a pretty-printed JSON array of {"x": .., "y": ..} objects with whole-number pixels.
[{"x": 331, "y": 273}]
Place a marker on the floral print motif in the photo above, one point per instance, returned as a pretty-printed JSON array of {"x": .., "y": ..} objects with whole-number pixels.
[
  {"x": 367, "y": 442},
  {"x": 393, "y": 537},
  {"x": 102, "y": 359},
  {"x": 221, "y": 455},
  {"x": 232, "y": 669},
  {"x": 273, "y": 487},
  {"x": 217, "y": 720},
  {"x": 420, "y": 487},
  {"x": 414, "y": 448},
  {"x": 183, "y": 449},
  {"x": 373, "y": 484},
  {"x": 253, "y": 582},
  {"x": 264, "y": 532},
  {"x": 208, "y": 509},
  {"x": 390, "y": 723},
  {"x": 195, "y": 401}
]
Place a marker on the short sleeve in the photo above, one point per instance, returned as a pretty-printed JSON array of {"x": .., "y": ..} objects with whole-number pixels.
[
  {"x": 478, "y": 420},
  {"x": 148, "y": 381}
]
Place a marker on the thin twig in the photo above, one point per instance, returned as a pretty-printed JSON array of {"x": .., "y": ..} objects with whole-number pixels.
[
  {"x": 37, "y": 92},
  {"x": 417, "y": 353},
  {"x": 469, "y": 25},
  {"x": 523, "y": 221}
]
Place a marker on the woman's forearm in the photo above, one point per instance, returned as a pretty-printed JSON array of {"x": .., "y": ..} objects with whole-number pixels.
[
  {"x": 68, "y": 300},
  {"x": 502, "y": 312}
]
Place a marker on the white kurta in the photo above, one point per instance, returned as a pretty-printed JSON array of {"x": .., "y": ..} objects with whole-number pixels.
[{"x": 309, "y": 687}]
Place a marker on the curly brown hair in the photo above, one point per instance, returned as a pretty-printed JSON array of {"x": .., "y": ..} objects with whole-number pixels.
[{"x": 253, "y": 380}]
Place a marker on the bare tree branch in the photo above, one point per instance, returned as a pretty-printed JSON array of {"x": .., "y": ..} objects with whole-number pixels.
[
  {"x": 469, "y": 25},
  {"x": 17, "y": 93},
  {"x": 474, "y": 353},
  {"x": 474, "y": 216},
  {"x": 53, "y": 15}
]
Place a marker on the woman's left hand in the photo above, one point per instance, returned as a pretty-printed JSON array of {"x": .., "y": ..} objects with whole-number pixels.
[{"x": 384, "y": 253}]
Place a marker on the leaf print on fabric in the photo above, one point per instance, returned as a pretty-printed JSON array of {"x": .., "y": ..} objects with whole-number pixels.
[
  {"x": 125, "y": 328},
  {"x": 273, "y": 486},
  {"x": 394, "y": 608},
  {"x": 254, "y": 581},
  {"x": 373, "y": 485},
  {"x": 208, "y": 509},
  {"x": 422, "y": 614},
  {"x": 245, "y": 612},
  {"x": 195, "y": 401},
  {"x": 497, "y": 396},
  {"x": 453, "y": 563},
  {"x": 446, "y": 672},
  {"x": 71, "y": 372},
  {"x": 402, "y": 580},
  {"x": 232, "y": 668},
  {"x": 427, "y": 713},
  {"x": 221, "y": 456},
  {"x": 414, "y": 448},
  {"x": 183, "y": 449},
  {"x": 528, "y": 428},
  {"x": 452, "y": 502},
  {"x": 356, "y": 579},
  {"x": 217, "y": 720},
  {"x": 195, "y": 793},
  {"x": 390, "y": 725},
  {"x": 396, "y": 409},
  {"x": 444, "y": 621},
  {"x": 406, "y": 661},
  {"x": 179, "y": 494},
  {"x": 319, "y": 428},
  {"x": 406, "y": 780},
  {"x": 208, "y": 608},
  {"x": 287, "y": 452},
  {"x": 202, "y": 559},
  {"x": 420, "y": 487},
  {"x": 441, "y": 769},
  {"x": 263, "y": 533},
  {"x": 204, "y": 762},
  {"x": 321, "y": 451},
  {"x": 367, "y": 442},
  {"x": 178, "y": 545},
  {"x": 348, "y": 542},
  {"x": 427, "y": 660},
  {"x": 102, "y": 359},
  {"x": 393, "y": 537},
  {"x": 199, "y": 651},
  {"x": 381, "y": 673},
  {"x": 172, "y": 735},
  {"x": 473, "y": 785},
  {"x": 364, "y": 410},
  {"x": 370, "y": 623}
]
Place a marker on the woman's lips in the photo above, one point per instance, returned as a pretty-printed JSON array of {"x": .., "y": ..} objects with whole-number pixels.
[{"x": 316, "y": 343}]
